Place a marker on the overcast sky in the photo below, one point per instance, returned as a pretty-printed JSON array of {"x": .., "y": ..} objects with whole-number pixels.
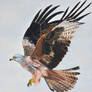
[{"x": 15, "y": 17}]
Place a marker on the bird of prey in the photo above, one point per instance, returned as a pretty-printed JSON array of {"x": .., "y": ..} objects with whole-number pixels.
[{"x": 45, "y": 44}]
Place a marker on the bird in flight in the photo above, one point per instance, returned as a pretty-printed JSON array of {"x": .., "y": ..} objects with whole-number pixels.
[{"x": 45, "y": 44}]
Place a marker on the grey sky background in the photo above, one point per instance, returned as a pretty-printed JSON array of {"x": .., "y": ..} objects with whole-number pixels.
[{"x": 15, "y": 17}]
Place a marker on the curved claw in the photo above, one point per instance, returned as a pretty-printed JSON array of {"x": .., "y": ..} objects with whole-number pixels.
[{"x": 32, "y": 80}]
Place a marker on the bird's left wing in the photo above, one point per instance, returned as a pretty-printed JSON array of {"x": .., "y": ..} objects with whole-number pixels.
[{"x": 39, "y": 26}]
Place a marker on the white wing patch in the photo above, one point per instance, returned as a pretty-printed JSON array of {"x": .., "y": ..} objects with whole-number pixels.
[
  {"x": 28, "y": 47},
  {"x": 25, "y": 42}
]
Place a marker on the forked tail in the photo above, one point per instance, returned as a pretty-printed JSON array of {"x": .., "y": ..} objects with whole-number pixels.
[{"x": 62, "y": 80}]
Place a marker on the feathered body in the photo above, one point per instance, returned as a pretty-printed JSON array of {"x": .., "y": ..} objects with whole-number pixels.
[
  {"x": 45, "y": 44},
  {"x": 59, "y": 80}
]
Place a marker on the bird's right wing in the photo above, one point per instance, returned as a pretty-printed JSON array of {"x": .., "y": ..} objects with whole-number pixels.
[
  {"x": 56, "y": 43},
  {"x": 53, "y": 46}
]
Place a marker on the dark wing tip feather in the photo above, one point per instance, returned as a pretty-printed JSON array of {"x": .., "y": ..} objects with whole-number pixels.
[
  {"x": 53, "y": 15},
  {"x": 36, "y": 16},
  {"x": 64, "y": 14},
  {"x": 78, "y": 9},
  {"x": 82, "y": 11},
  {"x": 72, "y": 10},
  {"x": 73, "y": 15},
  {"x": 79, "y": 18},
  {"x": 48, "y": 13},
  {"x": 44, "y": 11}
]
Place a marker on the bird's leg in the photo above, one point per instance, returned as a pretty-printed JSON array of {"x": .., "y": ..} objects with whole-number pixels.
[{"x": 32, "y": 80}]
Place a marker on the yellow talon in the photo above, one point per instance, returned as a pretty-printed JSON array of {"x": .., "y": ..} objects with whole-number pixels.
[{"x": 32, "y": 80}]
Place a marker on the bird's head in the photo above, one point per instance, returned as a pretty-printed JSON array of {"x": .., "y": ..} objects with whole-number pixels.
[{"x": 18, "y": 58}]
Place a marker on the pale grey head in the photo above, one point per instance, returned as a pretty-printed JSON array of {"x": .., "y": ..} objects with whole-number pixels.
[{"x": 18, "y": 58}]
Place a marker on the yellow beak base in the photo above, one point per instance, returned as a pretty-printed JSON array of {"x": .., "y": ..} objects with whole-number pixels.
[{"x": 11, "y": 59}]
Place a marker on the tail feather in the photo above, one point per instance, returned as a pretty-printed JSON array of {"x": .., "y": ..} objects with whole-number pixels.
[
  {"x": 60, "y": 80},
  {"x": 74, "y": 68}
]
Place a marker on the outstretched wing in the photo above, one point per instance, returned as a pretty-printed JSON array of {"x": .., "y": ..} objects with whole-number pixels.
[
  {"x": 52, "y": 47},
  {"x": 39, "y": 26},
  {"x": 56, "y": 43}
]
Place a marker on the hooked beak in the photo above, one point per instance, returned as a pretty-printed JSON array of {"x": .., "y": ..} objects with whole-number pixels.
[{"x": 11, "y": 59}]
